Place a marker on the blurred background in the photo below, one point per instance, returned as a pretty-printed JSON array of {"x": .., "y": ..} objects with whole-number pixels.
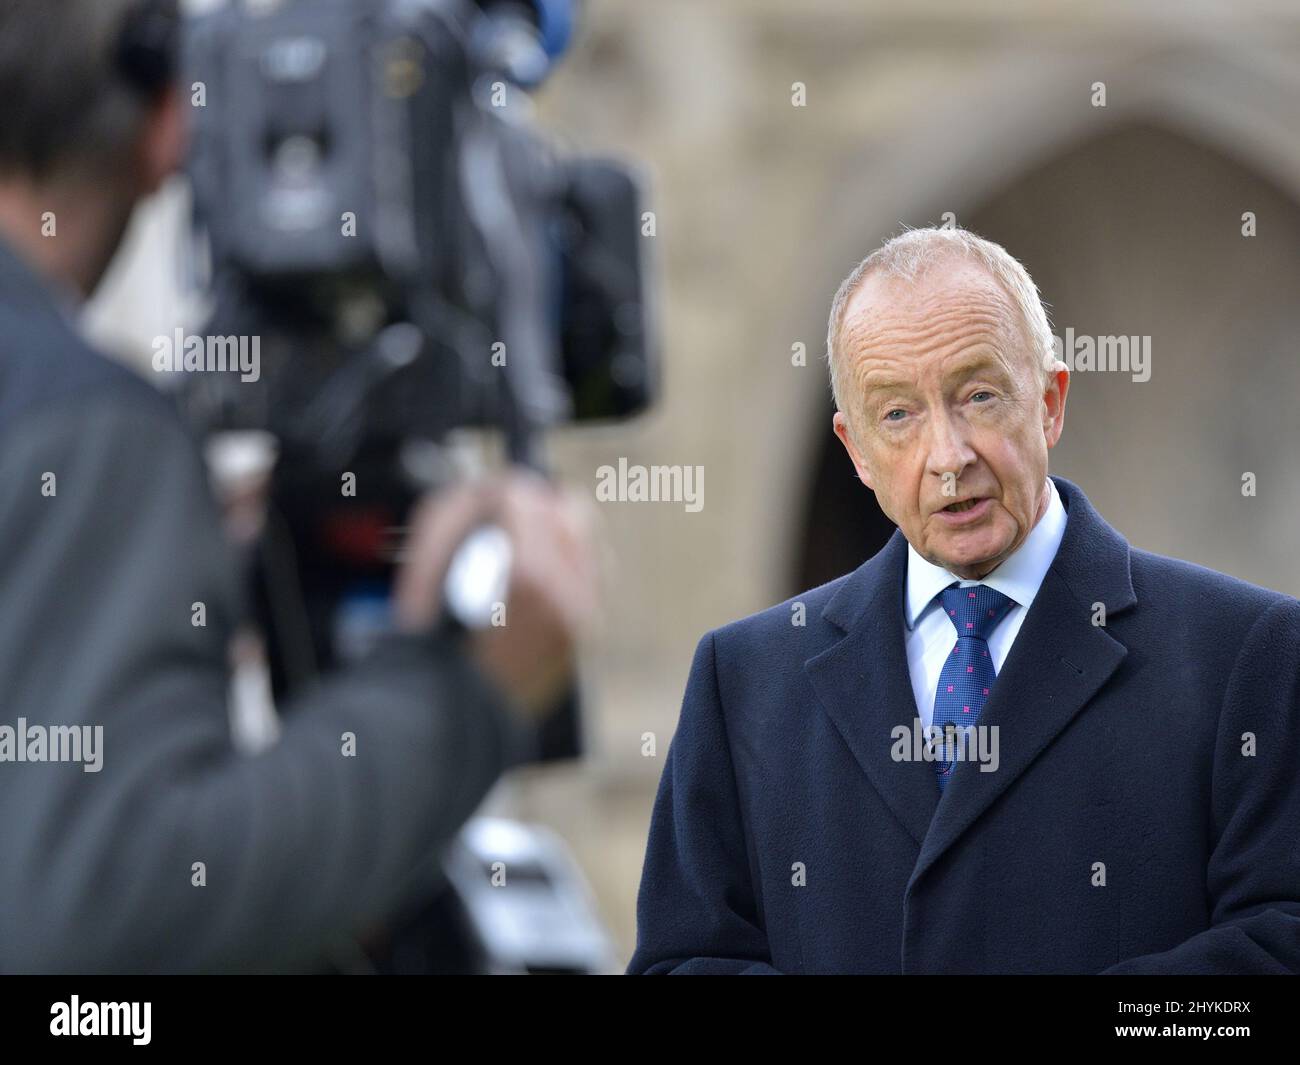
[{"x": 1128, "y": 215}]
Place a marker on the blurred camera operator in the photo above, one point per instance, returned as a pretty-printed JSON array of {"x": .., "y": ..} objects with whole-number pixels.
[{"x": 111, "y": 537}]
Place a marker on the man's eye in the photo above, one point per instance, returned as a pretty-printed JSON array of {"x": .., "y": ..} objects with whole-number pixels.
[
  {"x": 982, "y": 392},
  {"x": 894, "y": 411}
]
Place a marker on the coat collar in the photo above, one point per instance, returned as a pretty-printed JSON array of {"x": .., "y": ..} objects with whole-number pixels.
[
  {"x": 21, "y": 285},
  {"x": 1059, "y": 660}
]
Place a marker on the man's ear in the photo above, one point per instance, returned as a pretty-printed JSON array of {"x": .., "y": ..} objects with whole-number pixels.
[
  {"x": 163, "y": 139},
  {"x": 1054, "y": 403},
  {"x": 840, "y": 423}
]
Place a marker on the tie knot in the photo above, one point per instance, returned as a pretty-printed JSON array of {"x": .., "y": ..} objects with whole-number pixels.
[{"x": 975, "y": 610}]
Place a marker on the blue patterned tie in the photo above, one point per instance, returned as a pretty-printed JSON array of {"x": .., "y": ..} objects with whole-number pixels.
[{"x": 968, "y": 673}]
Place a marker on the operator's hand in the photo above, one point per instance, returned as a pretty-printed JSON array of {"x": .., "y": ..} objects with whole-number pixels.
[{"x": 552, "y": 591}]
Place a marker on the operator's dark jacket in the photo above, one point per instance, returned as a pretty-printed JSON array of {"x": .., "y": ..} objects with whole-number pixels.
[
  {"x": 97, "y": 582},
  {"x": 785, "y": 837}
]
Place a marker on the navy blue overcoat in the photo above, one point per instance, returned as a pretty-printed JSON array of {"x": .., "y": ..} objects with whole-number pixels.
[{"x": 1144, "y": 816}]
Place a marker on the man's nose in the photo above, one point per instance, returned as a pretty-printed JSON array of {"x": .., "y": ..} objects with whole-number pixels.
[{"x": 948, "y": 450}]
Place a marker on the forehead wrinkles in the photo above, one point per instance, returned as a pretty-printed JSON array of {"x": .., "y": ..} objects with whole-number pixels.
[{"x": 934, "y": 324}]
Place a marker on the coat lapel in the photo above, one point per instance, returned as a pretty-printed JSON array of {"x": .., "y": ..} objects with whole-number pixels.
[
  {"x": 1058, "y": 662},
  {"x": 862, "y": 682}
]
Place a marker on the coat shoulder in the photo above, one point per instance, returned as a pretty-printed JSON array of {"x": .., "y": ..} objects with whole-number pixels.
[
  {"x": 45, "y": 363},
  {"x": 794, "y": 626},
  {"x": 1206, "y": 605},
  {"x": 1161, "y": 578}
]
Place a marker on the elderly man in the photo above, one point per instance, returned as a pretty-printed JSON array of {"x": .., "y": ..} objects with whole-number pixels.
[{"x": 1009, "y": 742}]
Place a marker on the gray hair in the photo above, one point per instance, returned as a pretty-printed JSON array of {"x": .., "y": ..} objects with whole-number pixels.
[
  {"x": 65, "y": 103},
  {"x": 909, "y": 254}
]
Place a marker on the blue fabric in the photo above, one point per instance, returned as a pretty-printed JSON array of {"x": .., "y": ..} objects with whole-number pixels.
[{"x": 968, "y": 674}]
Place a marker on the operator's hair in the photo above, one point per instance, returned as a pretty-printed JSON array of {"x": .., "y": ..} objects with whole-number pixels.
[
  {"x": 67, "y": 108},
  {"x": 911, "y": 253}
]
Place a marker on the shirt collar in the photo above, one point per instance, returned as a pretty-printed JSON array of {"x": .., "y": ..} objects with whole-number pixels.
[{"x": 1018, "y": 576}]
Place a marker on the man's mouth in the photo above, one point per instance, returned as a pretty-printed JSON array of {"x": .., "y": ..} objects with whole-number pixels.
[{"x": 969, "y": 511}]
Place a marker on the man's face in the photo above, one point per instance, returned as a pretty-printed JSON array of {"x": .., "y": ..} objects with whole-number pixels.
[{"x": 942, "y": 390}]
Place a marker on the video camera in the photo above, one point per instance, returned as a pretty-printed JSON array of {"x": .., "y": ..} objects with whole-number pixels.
[{"x": 413, "y": 257}]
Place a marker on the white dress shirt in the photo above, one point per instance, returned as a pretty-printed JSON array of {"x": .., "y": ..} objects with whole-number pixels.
[{"x": 929, "y": 634}]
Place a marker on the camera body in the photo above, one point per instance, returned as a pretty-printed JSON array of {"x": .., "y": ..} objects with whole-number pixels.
[{"x": 360, "y": 165}]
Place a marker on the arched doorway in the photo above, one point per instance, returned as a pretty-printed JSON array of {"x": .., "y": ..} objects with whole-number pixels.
[{"x": 1137, "y": 231}]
